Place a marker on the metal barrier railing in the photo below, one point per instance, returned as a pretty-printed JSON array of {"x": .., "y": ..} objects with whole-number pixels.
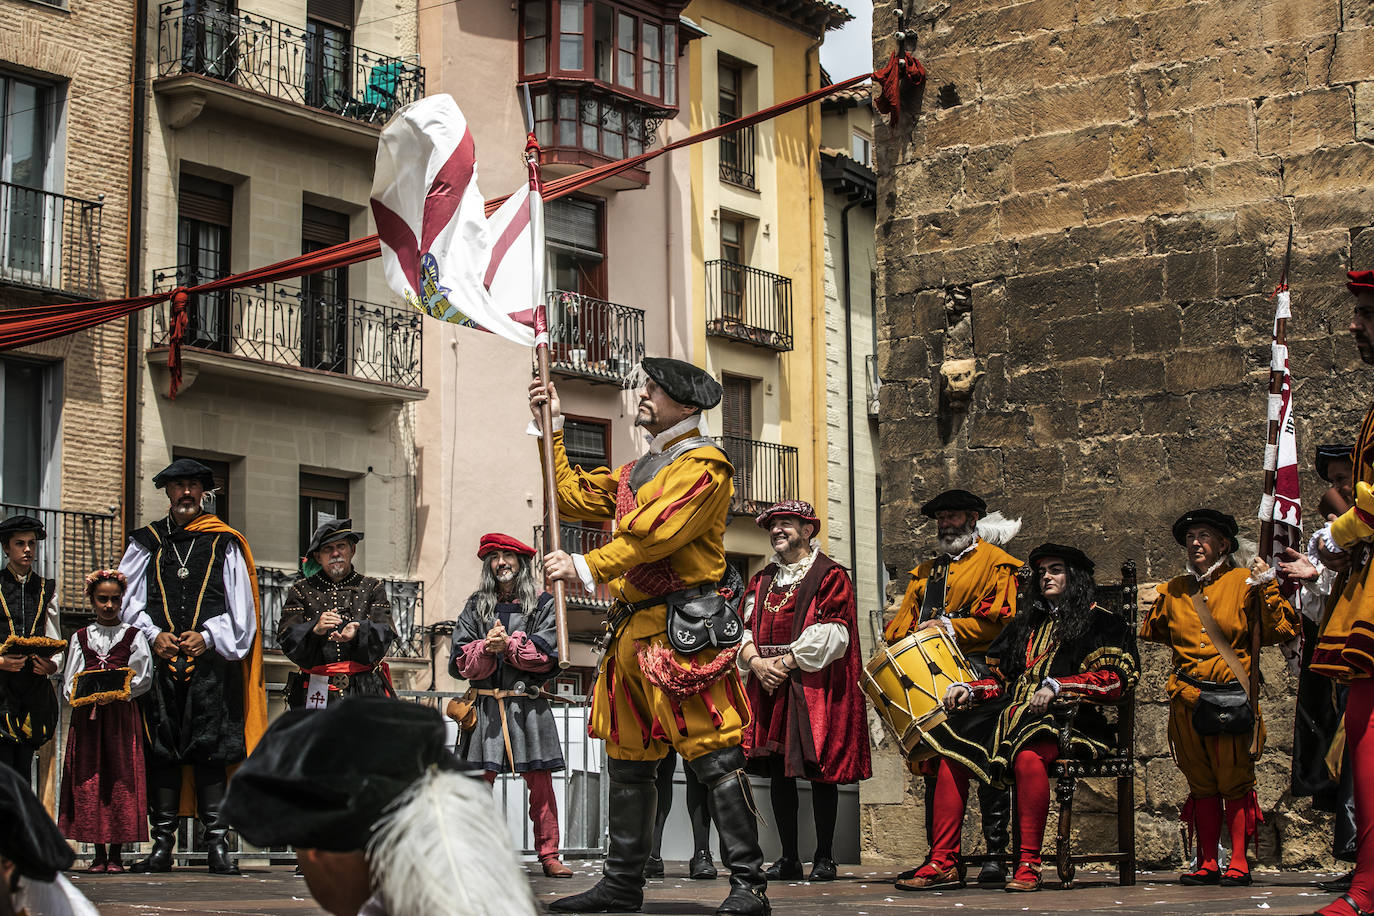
[
  {"x": 765, "y": 473},
  {"x": 76, "y": 544},
  {"x": 594, "y": 339},
  {"x": 49, "y": 241},
  {"x": 737, "y": 154},
  {"x": 749, "y": 305}
]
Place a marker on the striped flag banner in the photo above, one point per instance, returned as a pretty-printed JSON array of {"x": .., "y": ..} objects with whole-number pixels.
[
  {"x": 440, "y": 251},
  {"x": 1283, "y": 506}
]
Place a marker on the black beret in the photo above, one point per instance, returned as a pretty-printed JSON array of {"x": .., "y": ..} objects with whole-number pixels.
[
  {"x": 332, "y": 531},
  {"x": 28, "y": 836},
  {"x": 683, "y": 382},
  {"x": 185, "y": 468},
  {"x": 1329, "y": 453},
  {"x": 17, "y": 523},
  {"x": 1224, "y": 524},
  {"x": 954, "y": 501},
  {"x": 1070, "y": 555},
  {"x": 320, "y": 779}
]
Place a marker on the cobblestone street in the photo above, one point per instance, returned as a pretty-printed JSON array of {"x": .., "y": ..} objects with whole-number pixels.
[{"x": 859, "y": 892}]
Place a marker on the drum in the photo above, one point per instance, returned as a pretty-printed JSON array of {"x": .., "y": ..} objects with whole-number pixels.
[{"x": 906, "y": 683}]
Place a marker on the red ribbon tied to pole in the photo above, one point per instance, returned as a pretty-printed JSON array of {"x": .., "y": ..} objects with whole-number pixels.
[
  {"x": 174, "y": 339},
  {"x": 888, "y": 99}
]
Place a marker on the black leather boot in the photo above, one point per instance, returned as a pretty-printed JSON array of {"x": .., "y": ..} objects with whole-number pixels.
[
  {"x": 633, "y": 800},
  {"x": 995, "y": 805},
  {"x": 732, "y": 808},
  {"x": 209, "y": 800},
  {"x": 164, "y": 800}
]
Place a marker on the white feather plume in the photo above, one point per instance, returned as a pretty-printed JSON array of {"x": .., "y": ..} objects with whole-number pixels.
[
  {"x": 444, "y": 850},
  {"x": 997, "y": 529}
]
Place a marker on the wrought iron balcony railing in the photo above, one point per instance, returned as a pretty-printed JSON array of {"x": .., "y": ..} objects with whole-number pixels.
[
  {"x": 765, "y": 473},
  {"x": 77, "y": 543},
  {"x": 49, "y": 241},
  {"x": 737, "y": 155},
  {"x": 748, "y": 304},
  {"x": 278, "y": 323},
  {"x": 577, "y": 539},
  {"x": 407, "y": 606},
  {"x": 284, "y": 61},
  {"x": 875, "y": 384},
  {"x": 594, "y": 339}
]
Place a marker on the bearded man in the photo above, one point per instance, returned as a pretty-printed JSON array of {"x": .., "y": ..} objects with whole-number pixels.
[
  {"x": 801, "y": 649},
  {"x": 506, "y": 645},
  {"x": 193, "y": 591},
  {"x": 969, "y": 590}
]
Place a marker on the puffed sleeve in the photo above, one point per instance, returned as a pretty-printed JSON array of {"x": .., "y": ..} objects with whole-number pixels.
[
  {"x": 134, "y": 610},
  {"x": 377, "y": 631},
  {"x": 902, "y": 624},
  {"x": 826, "y": 641},
  {"x": 990, "y": 614},
  {"x": 141, "y": 661},
  {"x": 295, "y": 633},
  {"x": 76, "y": 663},
  {"x": 468, "y": 661},
  {"x": 535, "y": 648},
  {"x": 1155, "y": 626},
  {"x": 1110, "y": 668},
  {"x": 586, "y": 496},
  {"x": 231, "y": 634}
]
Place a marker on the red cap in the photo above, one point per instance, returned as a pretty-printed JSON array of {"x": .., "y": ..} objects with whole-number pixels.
[
  {"x": 492, "y": 542},
  {"x": 1360, "y": 281}
]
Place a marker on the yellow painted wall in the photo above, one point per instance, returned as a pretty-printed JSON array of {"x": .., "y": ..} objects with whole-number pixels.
[{"x": 787, "y": 210}]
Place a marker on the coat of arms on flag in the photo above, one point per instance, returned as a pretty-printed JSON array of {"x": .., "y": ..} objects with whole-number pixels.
[{"x": 440, "y": 251}]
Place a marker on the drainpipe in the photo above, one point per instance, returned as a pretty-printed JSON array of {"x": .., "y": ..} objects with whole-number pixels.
[
  {"x": 849, "y": 383},
  {"x": 134, "y": 255}
]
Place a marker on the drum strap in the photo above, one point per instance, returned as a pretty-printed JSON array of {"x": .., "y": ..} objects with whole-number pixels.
[{"x": 933, "y": 601}]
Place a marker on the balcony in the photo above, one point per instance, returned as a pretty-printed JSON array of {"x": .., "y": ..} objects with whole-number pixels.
[
  {"x": 594, "y": 339},
  {"x": 407, "y": 608},
  {"x": 237, "y": 61},
  {"x": 296, "y": 339},
  {"x": 77, "y": 543},
  {"x": 578, "y": 539},
  {"x": 765, "y": 473},
  {"x": 49, "y": 241},
  {"x": 580, "y": 125},
  {"x": 737, "y": 155},
  {"x": 875, "y": 384},
  {"x": 748, "y": 305}
]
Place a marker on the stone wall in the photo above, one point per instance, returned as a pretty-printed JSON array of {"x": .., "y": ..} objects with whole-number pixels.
[{"x": 1089, "y": 209}]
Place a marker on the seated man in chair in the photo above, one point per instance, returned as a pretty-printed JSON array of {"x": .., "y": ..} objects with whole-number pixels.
[{"x": 1059, "y": 645}]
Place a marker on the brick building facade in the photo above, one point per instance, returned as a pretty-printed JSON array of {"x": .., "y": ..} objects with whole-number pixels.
[{"x": 1084, "y": 218}]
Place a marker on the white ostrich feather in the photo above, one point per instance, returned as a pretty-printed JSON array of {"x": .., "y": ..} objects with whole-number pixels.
[
  {"x": 997, "y": 529},
  {"x": 443, "y": 850}
]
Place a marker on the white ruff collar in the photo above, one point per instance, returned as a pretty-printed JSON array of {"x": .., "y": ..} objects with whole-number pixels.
[
  {"x": 1203, "y": 578},
  {"x": 792, "y": 572}
]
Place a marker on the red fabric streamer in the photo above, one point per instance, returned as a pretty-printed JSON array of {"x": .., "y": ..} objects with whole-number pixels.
[{"x": 26, "y": 326}]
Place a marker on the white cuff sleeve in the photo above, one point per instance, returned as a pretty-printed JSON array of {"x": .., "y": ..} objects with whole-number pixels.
[
  {"x": 533, "y": 428},
  {"x": 819, "y": 645},
  {"x": 1327, "y": 541},
  {"x": 740, "y": 664},
  {"x": 1052, "y": 684},
  {"x": 584, "y": 572}
]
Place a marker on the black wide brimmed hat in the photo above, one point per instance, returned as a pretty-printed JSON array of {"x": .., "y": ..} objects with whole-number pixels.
[
  {"x": 331, "y": 531},
  {"x": 1223, "y": 524},
  {"x": 17, "y": 523},
  {"x": 683, "y": 382},
  {"x": 185, "y": 469},
  {"x": 320, "y": 779},
  {"x": 954, "y": 501},
  {"x": 1329, "y": 453},
  {"x": 1072, "y": 556},
  {"x": 28, "y": 836}
]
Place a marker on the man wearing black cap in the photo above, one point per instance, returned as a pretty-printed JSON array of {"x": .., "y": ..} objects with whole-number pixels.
[
  {"x": 1204, "y": 615},
  {"x": 670, "y": 508},
  {"x": 30, "y": 647},
  {"x": 969, "y": 590},
  {"x": 377, "y": 832},
  {"x": 336, "y": 624},
  {"x": 193, "y": 592}
]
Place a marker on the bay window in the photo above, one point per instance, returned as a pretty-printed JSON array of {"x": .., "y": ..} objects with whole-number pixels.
[{"x": 621, "y": 48}]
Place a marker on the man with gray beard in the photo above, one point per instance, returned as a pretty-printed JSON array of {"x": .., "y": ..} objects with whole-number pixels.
[
  {"x": 969, "y": 590},
  {"x": 505, "y": 645}
]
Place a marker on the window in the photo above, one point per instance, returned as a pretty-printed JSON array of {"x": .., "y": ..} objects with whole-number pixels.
[
  {"x": 625, "y": 51},
  {"x": 216, "y": 503},
  {"x": 651, "y": 48},
  {"x": 737, "y": 411},
  {"x": 732, "y": 255},
  {"x": 670, "y": 64},
  {"x": 323, "y": 499},
  {"x": 737, "y": 148},
  {"x": 328, "y": 54},
  {"x": 324, "y": 295},
  {"x": 30, "y": 408},
  {"x": 204, "y": 210},
  {"x": 602, "y": 43},
  {"x": 535, "y": 23},
  {"x": 30, "y": 226},
  {"x": 629, "y": 52},
  {"x": 209, "y": 38},
  {"x": 863, "y": 149},
  {"x": 588, "y": 443},
  {"x": 573, "y": 229},
  {"x": 571, "y": 24}
]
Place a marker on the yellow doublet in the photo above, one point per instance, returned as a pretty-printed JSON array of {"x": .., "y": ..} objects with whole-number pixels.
[
  {"x": 670, "y": 534},
  {"x": 1345, "y": 646},
  {"x": 980, "y": 596}
]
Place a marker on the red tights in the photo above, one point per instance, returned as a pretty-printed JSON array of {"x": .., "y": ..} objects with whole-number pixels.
[
  {"x": 543, "y": 810},
  {"x": 1031, "y": 770},
  {"x": 1359, "y": 739}
]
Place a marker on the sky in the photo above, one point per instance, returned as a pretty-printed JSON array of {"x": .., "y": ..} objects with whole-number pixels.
[{"x": 848, "y": 51}]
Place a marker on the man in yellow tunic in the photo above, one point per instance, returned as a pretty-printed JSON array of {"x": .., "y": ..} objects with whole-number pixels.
[
  {"x": 1345, "y": 647},
  {"x": 670, "y": 508},
  {"x": 1217, "y": 763},
  {"x": 969, "y": 589}
]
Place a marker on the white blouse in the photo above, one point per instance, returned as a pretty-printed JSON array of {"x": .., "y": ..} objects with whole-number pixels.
[{"x": 101, "y": 640}]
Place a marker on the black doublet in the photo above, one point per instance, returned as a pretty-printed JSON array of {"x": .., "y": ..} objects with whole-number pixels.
[
  {"x": 28, "y": 706},
  {"x": 355, "y": 597},
  {"x": 194, "y": 712}
]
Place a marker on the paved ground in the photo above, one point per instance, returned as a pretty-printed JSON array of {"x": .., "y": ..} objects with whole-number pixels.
[{"x": 859, "y": 892}]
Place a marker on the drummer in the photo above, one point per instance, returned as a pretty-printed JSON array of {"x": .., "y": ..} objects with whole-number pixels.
[
  {"x": 969, "y": 590},
  {"x": 1060, "y": 644}
]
